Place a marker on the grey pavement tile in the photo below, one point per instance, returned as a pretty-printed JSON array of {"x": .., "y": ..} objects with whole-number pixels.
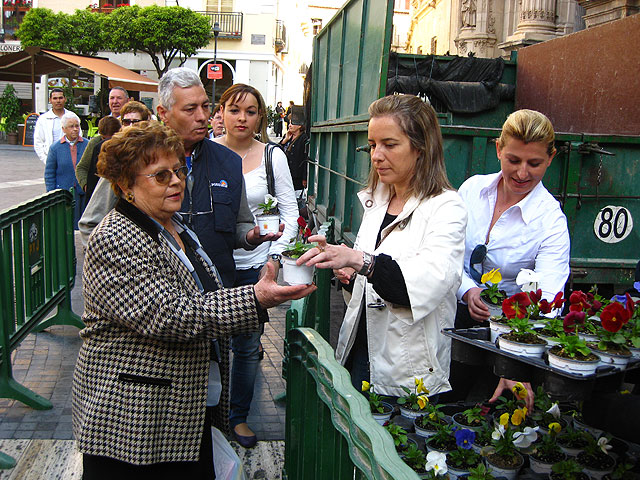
[
  {"x": 43, "y": 434},
  {"x": 62, "y": 435},
  {"x": 23, "y": 434}
]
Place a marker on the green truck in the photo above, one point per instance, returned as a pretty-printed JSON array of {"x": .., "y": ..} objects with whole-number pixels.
[{"x": 592, "y": 176}]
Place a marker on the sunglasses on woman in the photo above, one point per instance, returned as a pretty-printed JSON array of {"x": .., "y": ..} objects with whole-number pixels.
[
  {"x": 163, "y": 177},
  {"x": 478, "y": 255},
  {"x": 130, "y": 121}
]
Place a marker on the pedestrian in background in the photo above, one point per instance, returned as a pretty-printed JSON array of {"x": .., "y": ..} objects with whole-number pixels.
[
  {"x": 295, "y": 147},
  {"x": 60, "y": 169},
  {"x": 277, "y": 122},
  {"x": 217, "y": 125},
  {"x": 48, "y": 128}
]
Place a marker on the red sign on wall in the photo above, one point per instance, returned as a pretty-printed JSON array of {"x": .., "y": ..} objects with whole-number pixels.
[{"x": 214, "y": 71}]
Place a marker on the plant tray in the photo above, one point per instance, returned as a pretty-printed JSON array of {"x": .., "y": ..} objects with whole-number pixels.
[{"x": 472, "y": 346}]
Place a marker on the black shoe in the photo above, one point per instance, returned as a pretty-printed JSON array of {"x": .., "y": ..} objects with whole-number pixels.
[{"x": 246, "y": 442}]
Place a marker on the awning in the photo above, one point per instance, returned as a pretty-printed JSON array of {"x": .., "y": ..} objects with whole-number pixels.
[{"x": 24, "y": 66}]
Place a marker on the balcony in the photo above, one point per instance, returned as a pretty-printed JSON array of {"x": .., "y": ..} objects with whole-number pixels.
[
  {"x": 281, "y": 36},
  {"x": 13, "y": 14},
  {"x": 230, "y": 23},
  {"x": 107, "y": 6}
]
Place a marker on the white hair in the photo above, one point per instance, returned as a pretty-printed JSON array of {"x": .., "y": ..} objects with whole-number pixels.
[
  {"x": 67, "y": 117},
  {"x": 177, "y": 77}
]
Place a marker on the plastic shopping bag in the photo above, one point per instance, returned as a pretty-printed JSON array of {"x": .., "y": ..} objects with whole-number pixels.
[{"x": 226, "y": 461}]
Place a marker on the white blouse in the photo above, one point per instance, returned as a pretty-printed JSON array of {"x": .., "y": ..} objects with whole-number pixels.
[
  {"x": 531, "y": 234},
  {"x": 256, "y": 186}
]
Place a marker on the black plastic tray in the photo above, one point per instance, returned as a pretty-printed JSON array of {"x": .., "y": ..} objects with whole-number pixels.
[{"x": 472, "y": 346}]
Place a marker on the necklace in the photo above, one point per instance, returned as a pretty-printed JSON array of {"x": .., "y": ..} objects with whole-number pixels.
[{"x": 245, "y": 155}]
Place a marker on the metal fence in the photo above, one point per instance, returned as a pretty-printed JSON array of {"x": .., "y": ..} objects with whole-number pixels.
[{"x": 230, "y": 23}]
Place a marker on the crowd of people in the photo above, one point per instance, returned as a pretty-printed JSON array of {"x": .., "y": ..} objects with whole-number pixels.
[{"x": 176, "y": 272}]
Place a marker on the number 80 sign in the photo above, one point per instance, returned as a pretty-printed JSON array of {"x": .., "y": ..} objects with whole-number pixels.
[{"x": 613, "y": 224}]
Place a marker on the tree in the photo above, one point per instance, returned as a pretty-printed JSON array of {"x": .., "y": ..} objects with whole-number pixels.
[
  {"x": 40, "y": 28},
  {"x": 163, "y": 33}
]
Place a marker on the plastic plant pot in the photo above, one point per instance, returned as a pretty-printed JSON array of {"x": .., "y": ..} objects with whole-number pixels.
[
  {"x": 383, "y": 418},
  {"x": 497, "y": 328},
  {"x": 296, "y": 274},
  {"x": 409, "y": 413},
  {"x": 614, "y": 359},
  {"x": 508, "y": 473},
  {"x": 541, "y": 467},
  {"x": 268, "y": 223},
  {"x": 534, "y": 350},
  {"x": 494, "y": 310},
  {"x": 579, "y": 367}
]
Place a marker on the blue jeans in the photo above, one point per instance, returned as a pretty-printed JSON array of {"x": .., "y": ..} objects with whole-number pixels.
[{"x": 246, "y": 349}]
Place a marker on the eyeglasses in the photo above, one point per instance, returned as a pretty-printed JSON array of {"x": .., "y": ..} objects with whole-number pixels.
[
  {"x": 478, "y": 255},
  {"x": 131, "y": 121},
  {"x": 163, "y": 177}
]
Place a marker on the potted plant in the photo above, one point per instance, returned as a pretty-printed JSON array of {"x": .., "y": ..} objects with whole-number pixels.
[
  {"x": 416, "y": 459},
  {"x": 10, "y": 110},
  {"x": 463, "y": 458},
  {"x": 546, "y": 412},
  {"x": 595, "y": 459},
  {"x": 567, "y": 470},
  {"x": 512, "y": 411},
  {"x": 412, "y": 405},
  {"x": 269, "y": 219},
  {"x": 380, "y": 410},
  {"x": 611, "y": 346},
  {"x": 427, "y": 425},
  {"x": 504, "y": 459},
  {"x": 631, "y": 330},
  {"x": 547, "y": 452},
  {"x": 491, "y": 296},
  {"x": 589, "y": 304},
  {"x": 442, "y": 441},
  {"x": 483, "y": 439},
  {"x": 521, "y": 340},
  {"x": 472, "y": 418},
  {"x": 436, "y": 466},
  {"x": 623, "y": 471},
  {"x": 399, "y": 435},
  {"x": 298, "y": 274},
  {"x": 573, "y": 441},
  {"x": 481, "y": 472},
  {"x": 551, "y": 328},
  {"x": 572, "y": 353}
]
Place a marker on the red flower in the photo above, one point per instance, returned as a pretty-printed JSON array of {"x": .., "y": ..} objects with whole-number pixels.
[
  {"x": 535, "y": 296},
  {"x": 516, "y": 305},
  {"x": 630, "y": 305},
  {"x": 613, "y": 317},
  {"x": 307, "y": 232},
  {"x": 301, "y": 222},
  {"x": 571, "y": 320},
  {"x": 544, "y": 306},
  {"x": 579, "y": 302},
  {"x": 558, "y": 301}
]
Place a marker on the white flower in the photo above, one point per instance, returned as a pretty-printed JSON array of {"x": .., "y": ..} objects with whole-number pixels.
[
  {"x": 603, "y": 443},
  {"x": 437, "y": 462},
  {"x": 525, "y": 438},
  {"x": 498, "y": 433},
  {"x": 528, "y": 280},
  {"x": 554, "y": 410},
  {"x": 268, "y": 198}
]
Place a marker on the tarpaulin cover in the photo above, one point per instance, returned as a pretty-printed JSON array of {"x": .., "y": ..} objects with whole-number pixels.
[{"x": 462, "y": 85}]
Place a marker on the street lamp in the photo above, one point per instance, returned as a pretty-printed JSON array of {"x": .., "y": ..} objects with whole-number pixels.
[{"x": 216, "y": 32}]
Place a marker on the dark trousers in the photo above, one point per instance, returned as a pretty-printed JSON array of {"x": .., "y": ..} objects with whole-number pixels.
[{"x": 104, "y": 468}]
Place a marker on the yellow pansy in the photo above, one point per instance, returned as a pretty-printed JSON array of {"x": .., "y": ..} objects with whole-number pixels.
[
  {"x": 422, "y": 401},
  {"x": 555, "y": 427},
  {"x": 365, "y": 386},
  {"x": 420, "y": 388},
  {"x": 494, "y": 276},
  {"x": 504, "y": 419},
  {"x": 432, "y": 415},
  {"x": 519, "y": 391},
  {"x": 518, "y": 415}
]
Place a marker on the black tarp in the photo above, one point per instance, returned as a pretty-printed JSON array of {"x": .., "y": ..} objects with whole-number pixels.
[{"x": 461, "y": 85}]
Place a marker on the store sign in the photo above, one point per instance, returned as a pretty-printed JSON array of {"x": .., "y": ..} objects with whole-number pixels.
[
  {"x": 10, "y": 47},
  {"x": 64, "y": 82},
  {"x": 214, "y": 71}
]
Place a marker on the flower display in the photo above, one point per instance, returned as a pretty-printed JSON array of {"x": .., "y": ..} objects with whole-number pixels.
[
  {"x": 491, "y": 293},
  {"x": 572, "y": 320},
  {"x": 299, "y": 245},
  {"x": 412, "y": 400}
]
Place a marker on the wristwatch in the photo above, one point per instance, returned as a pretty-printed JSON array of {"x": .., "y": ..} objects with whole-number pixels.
[
  {"x": 276, "y": 257},
  {"x": 367, "y": 260}
]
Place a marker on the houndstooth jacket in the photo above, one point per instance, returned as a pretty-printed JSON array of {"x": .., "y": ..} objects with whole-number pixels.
[{"x": 140, "y": 382}]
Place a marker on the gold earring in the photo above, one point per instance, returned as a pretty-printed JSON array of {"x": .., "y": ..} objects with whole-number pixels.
[{"x": 130, "y": 197}]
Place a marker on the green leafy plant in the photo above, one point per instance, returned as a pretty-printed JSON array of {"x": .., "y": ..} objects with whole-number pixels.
[
  {"x": 416, "y": 399},
  {"x": 10, "y": 109},
  {"x": 432, "y": 418},
  {"x": 300, "y": 244},
  {"x": 481, "y": 472},
  {"x": 375, "y": 400},
  {"x": 414, "y": 457},
  {"x": 270, "y": 205},
  {"x": 398, "y": 434},
  {"x": 567, "y": 470},
  {"x": 492, "y": 293},
  {"x": 573, "y": 438},
  {"x": 474, "y": 416},
  {"x": 463, "y": 457},
  {"x": 571, "y": 346}
]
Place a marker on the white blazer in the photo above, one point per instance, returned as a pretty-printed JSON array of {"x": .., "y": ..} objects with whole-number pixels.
[{"x": 427, "y": 242}]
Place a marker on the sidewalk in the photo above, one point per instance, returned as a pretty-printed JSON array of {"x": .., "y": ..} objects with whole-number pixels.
[{"x": 41, "y": 441}]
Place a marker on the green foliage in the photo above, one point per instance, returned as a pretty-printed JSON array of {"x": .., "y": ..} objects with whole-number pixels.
[
  {"x": 41, "y": 27},
  {"x": 164, "y": 33},
  {"x": 520, "y": 325},
  {"x": 414, "y": 457},
  {"x": 398, "y": 434},
  {"x": 481, "y": 472},
  {"x": 10, "y": 109},
  {"x": 474, "y": 416},
  {"x": 572, "y": 345},
  {"x": 568, "y": 469},
  {"x": 463, "y": 458},
  {"x": 272, "y": 115}
]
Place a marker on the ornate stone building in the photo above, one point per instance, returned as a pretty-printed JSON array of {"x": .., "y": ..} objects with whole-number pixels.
[{"x": 488, "y": 28}]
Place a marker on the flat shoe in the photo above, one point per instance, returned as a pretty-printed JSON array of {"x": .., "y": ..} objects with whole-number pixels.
[{"x": 246, "y": 442}]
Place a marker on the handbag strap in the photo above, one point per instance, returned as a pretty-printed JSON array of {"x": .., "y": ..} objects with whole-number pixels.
[{"x": 268, "y": 166}]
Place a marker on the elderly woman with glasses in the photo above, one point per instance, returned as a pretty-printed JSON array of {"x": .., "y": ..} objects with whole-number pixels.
[
  {"x": 60, "y": 169},
  {"x": 154, "y": 304},
  {"x": 514, "y": 223}
]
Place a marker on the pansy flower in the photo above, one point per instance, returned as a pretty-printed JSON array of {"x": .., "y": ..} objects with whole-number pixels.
[
  {"x": 365, "y": 386},
  {"x": 437, "y": 462},
  {"x": 554, "y": 411},
  {"x": 422, "y": 401},
  {"x": 516, "y": 305},
  {"x": 572, "y": 319},
  {"x": 613, "y": 317},
  {"x": 519, "y": 390},
  {"x": 493, "y": 276},
  {"x": 555, "y": 427},
  {"x": 464, "y": 438},
  {"x": 526, "y": 437}
]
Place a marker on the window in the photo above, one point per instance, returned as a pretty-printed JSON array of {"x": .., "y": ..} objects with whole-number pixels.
[
  {"x": 434, "y": 45},
  {"x": 219, "y": 6},
  {"x": 317, "y": 25}
]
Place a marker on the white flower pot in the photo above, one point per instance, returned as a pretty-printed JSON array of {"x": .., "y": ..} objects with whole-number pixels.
[
  {"x": 588, "y": 337},
  {"x": 409, "y": 413},
  {"x": 597, "y": 474},
  {"x": 494, "y": 310},
  {"x": 635, "y": 352},
  {"x": 580, "y": 425},
  {"x": 455, "y": 473},
  {"x": 426, "y": 432},
  {"x": 383, "y": 418},
  {"x": 612, "y": 359},
  {"x": 533, "y": 350},
  {"x": 497, "y": 329},
  {"x": 460, "y": 425},
  {"x": 296, "y": 274},
  {"x": 578, "y": 367},
  {"x": 540, "y": 467},
  {"x": 508, "y": 473},
  {"x": 268, "y": 223},
  {"x": 550, "y": 341}
]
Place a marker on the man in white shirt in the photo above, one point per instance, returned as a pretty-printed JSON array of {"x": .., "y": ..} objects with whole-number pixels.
[
  {"x": 118, "y": 96},
  {"x": 48, "y": 127}
]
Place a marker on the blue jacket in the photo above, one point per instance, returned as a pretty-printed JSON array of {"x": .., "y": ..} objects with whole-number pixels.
[
  {"x": 59, "y": 171},
  {"x": 216, "y": 190}
]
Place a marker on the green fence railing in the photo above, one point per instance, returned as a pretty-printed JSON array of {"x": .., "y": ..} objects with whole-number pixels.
[
  {"x": 330, "y": 432},
  {"x": 38, "y": 265}
]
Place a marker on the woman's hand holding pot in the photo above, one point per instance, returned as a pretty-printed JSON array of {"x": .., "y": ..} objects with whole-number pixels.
[{"x": 336, "y": 257}]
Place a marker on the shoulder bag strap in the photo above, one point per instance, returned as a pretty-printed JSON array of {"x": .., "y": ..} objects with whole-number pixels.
[{"x": 268, "y": 166}]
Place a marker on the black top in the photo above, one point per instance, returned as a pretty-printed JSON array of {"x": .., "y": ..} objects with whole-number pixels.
[{"x": 297, "y": 160}]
